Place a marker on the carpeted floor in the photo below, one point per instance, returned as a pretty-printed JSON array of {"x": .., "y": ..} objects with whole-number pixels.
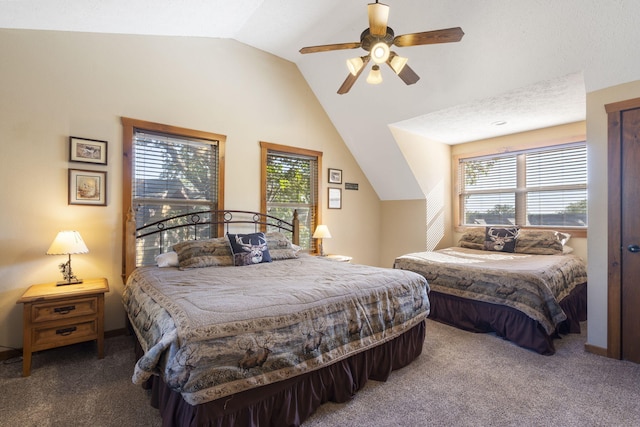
[{"x": 461, "y": 379}]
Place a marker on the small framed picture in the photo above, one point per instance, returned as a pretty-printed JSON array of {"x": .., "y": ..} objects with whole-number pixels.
[
  {"x": 335, "y": 176},
  {"x": 87, "y": 187},
  {"x": 335, "y": 198},
  {"x": 87, "y": 150}
]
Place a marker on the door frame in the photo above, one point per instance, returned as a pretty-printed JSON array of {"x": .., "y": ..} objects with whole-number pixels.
[{"x": 614, "y": 212}]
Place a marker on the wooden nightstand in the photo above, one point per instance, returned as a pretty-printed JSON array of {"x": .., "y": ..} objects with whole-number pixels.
[{"x": 55, "y": 316}]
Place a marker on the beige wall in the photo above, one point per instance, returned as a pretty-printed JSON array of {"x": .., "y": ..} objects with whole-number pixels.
[
  {"x": 57, "y": 84},
  {"x": 425, "y": 224},
  {"x": 404, "y": 229},
  {"x": 598, "y": 235}
]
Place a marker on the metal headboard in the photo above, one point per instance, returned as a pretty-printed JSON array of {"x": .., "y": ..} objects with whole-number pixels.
[{"x": 219, "y": 220}]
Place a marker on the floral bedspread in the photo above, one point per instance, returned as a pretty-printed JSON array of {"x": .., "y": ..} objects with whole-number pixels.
[
  {"x": 533, "y": 284},
  {"x": 212, "y": 332}
]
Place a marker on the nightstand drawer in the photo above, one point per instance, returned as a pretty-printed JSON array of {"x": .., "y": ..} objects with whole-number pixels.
[
  {"x": 64, "y": 334},
  {"x": 46, "y": 312}
]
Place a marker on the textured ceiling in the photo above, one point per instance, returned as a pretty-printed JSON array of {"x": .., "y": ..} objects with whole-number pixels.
[
  {"x": 526, "y": 62},
  {"x": 543, "y": 104}
]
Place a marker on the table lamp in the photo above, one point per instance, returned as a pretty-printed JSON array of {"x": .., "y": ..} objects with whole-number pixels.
[
  {"x": 322, "y": 232},
  {"x": 67, "y": 243}
]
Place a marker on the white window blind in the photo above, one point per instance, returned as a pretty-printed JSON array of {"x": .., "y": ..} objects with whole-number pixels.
[
  {"x": 292, "y": 184},
  {"x": 541, "y": 187},
  {"x": 172, "y": 175}
]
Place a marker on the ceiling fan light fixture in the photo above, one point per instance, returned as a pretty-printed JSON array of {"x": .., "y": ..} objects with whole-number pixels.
[
  {"x": 377, "y": 41},
  {"x": 375, "y": 76},
  {"x": 380, "y": 52},
  {"x": 355, "y": 65},
  {"x": 397, "y": 62}
]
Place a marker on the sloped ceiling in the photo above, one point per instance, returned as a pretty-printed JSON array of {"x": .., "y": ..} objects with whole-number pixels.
[{"x": 528, "y": 63}]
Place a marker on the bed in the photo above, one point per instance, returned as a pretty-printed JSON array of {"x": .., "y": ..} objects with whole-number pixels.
[
  {"x": 529, "y": 294},
  {"x": 227, "y": 338}
]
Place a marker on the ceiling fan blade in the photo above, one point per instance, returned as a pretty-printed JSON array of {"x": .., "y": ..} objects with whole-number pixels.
[
  {"x": 348, "y": 82},
  {"x": 351, "y": 79},
  {"x": 429, "y": 37},
  {"x": 378, "y": 18},
  {"x": 328, "y": 47},
  {"x": 407, "y": 75}
]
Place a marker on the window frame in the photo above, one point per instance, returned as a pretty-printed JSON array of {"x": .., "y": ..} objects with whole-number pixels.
[
  {"x": 129, "y": 127},
  {"x": 316, "y": 212},
  {"x": 457, "y": 208}
]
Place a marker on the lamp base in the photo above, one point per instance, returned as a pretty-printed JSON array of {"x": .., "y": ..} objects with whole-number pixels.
[{"x": 69, "y": 282}]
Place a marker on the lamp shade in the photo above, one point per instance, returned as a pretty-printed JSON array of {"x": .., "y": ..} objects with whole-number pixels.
[
  {"x": 355, "y": 65},
  {"x": 375, "y": 76},
  {"x": 322, "y": 232},
  {"x": 397, "y": 62},
  {"x": 66, "y": 243}
]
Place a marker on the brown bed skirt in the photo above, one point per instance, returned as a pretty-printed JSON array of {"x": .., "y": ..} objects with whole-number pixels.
[
  {"x": 290, "y": 402},
  {"x": 507, "y": 322}
]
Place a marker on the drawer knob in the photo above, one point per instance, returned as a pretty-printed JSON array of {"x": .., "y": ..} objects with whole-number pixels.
[
  {"x": 64, "y": 310},
  {"x": 66, "y": 331}
]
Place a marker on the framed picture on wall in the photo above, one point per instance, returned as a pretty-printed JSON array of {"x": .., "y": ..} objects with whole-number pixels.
[
  {"x": 335, "y": 176},
  {"x": 335, "y": 198},
  {"x": 87, "y": 187},
  {"x": 87, "y": 150}
]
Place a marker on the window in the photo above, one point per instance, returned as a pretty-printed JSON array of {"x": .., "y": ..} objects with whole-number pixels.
[
  {"x": 290, "y": 182},
  {"x": 170, "y": 171},
  {"x": 544, "y": 187}
]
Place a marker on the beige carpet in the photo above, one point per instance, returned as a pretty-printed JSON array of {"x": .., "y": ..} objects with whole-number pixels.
[{"x": 461, "y": 379}]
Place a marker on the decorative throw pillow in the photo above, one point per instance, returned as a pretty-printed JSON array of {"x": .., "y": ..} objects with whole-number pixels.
[
  {"x": 168, "y": 259},
  {"x": 249, "y": 248},
  {"x": 204, "y": 253},
  {"x": 280, "y": 247},
  {"x": 473, "y": 238},
  {"x": 541, "y": 242},
  {"x": 500, "y": 239}
]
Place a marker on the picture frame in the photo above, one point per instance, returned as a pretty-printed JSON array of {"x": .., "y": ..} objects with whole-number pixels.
[
  {"x": 83, "y": 150},
  {"x": 335, "y": 176},
  {"x": 87, "y": 187},
  {"x": 335, "y": 198}
]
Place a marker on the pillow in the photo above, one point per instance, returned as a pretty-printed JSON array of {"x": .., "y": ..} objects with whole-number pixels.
[
  {"x": 167, "y": 259},
  {"x": 500, "y": 239},
  {"x": 473, "y": 238},
  {"x": 280, "y": 247},
  {"x": 541, "y": 242},
  {"x": 249, "y": 249},
  {"x": 204, "y": 253}
]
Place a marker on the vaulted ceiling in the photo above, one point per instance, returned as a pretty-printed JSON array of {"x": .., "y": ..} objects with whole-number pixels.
[{"x": 528, "y": 63}]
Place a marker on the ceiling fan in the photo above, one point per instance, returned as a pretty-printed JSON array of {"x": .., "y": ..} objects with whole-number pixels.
[{"x": 377, "y": 41}]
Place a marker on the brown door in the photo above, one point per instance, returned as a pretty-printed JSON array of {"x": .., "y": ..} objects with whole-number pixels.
[
  {"x": 630, "y": 235},
  {"x": 624, "y": 230}
]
